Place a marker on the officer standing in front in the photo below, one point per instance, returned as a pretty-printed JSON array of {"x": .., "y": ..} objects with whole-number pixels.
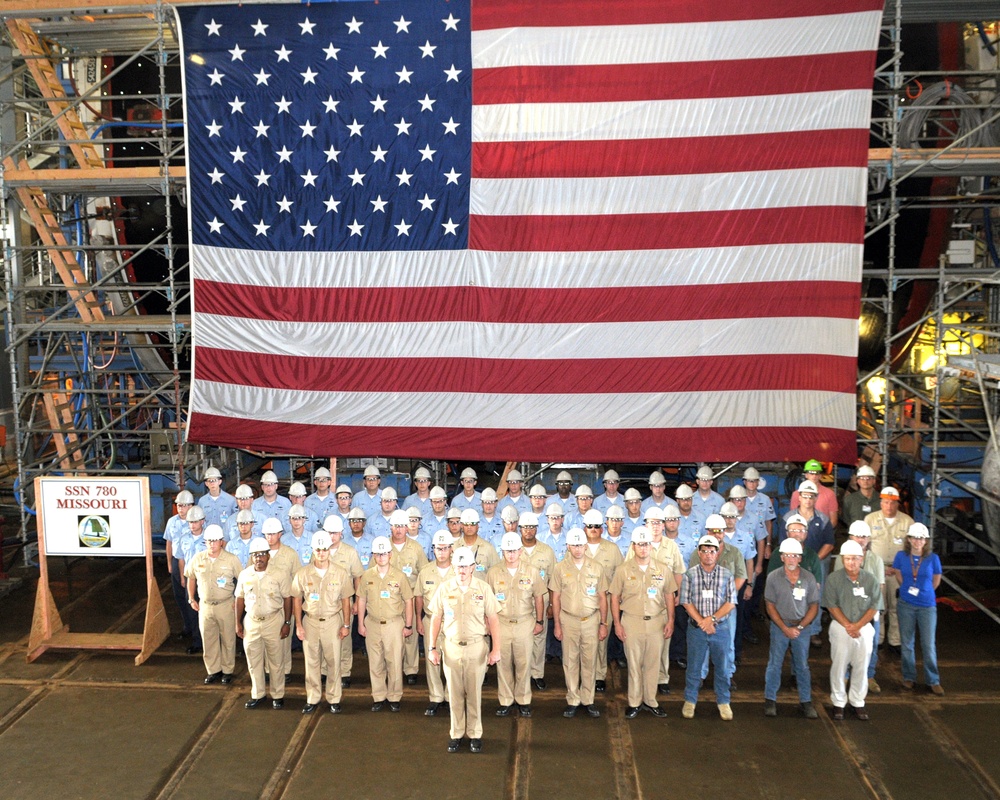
[
  {"x": 431, "y": 576},
  {"x": 213, "y": 572},
  {"x": 465, "y": 610}
]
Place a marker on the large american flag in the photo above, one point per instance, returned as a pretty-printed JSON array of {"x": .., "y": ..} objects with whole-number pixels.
[{"x": 592, "y": 230}]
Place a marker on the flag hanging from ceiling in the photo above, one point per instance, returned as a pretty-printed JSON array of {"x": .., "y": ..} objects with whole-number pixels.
[{"x": 587, "y": 230}]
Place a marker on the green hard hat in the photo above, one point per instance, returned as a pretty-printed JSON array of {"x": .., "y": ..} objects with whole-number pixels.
[{"x": 812, "y": 465}]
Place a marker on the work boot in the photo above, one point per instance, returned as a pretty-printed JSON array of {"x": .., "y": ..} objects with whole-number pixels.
[{"x": 770, "y": 708}]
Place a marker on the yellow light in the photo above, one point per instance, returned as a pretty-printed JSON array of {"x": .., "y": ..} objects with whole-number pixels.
[
  {"x": 197, "y": 59},
  {"x": 876, "y": 388},
  {"x": 930, "y": 363}
]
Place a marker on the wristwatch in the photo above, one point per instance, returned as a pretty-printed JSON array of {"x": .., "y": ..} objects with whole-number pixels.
[
  {"x": 799, "y": 627},
  {"x": 407, "y": 627},
  {"x": 539, "y": 622},
  {"x": 714, "y": 620},
  {"x": 432, "y": 650},
  {"x": 288, "y": 622},
  {"x": 346, "y": 627}
]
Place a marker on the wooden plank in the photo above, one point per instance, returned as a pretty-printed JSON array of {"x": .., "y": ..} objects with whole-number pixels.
[
  {"x": 95, "y": 641},
  {"x": 95, "y": 175}
]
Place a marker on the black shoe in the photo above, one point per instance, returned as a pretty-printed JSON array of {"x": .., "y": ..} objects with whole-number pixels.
[
  {"x": 453, "y": 745},
  {"x": 308, "y": 708},
  {"x": 631, "y": 712},
  {"x": 193, "y": 650},
  {"x": 227, "y": 677},
  {"x": 432, "y": 709},
  {"x": 838, "y": 713},
  {"x": 253, "y": 702},
  {"x": 345, "y": 683},
  {"x": 599, "y": 686},
  {"x": 476, "y": 745},
  {"x": 334, "y": 708},
  {"x": 378, "y": 705},
  {"x": 622, "y": 663},
  {"x": 503, "y": 711},
  {"x": 394, "y": 706},
  {"x": 524, "y": 711},
  {"x": 322, "y": 679},
  {"x": 279, "y": 703},
  {"x": 681, "y": 663},
  {"x": 593, "y": 711},
  {"x": 656, "y": 711},
  {"x": 538, "y": 683},
  {"x": 815, "y": 641},
  {"x": 732, "y": 685},
  {"x": 895, "y": 649},
  {"x": 411, "y": 680},
  {"x": 663, "y": 688},
  {"x": 213, "y": 677},
  {"x": 751, "y": 637},
  {"x": 570, "y": 712}
]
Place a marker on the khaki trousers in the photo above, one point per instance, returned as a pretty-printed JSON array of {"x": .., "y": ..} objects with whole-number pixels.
[
  {"x": 322, "y": 646},
  {"x": 644, "y": 646},
  {"x": 579, "y": 646},
  {"x": 411, "y": 653},
  {"x": 889, "y": 630},
  {"x": 538, "y": 651},
  {"x": 347, "y": 653},
  {"x": 435, "y": 681},
  {"x": 664, "y": 676},
  {"x": 464, "y": 668},
  {"x": 385, "y": 658},
  {"x": 262, "y": 640},
  {"x": 217, "y": 624},
  {"x": 514, "y": 669}
]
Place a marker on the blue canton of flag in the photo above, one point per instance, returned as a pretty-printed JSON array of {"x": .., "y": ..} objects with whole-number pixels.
[{"x": 338, "y": 127}]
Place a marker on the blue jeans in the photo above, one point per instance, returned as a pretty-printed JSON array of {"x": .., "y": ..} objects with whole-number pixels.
[
  {"x": 873, "y": 661},
  {"x": 700, "y": 646},
  {"x": 911, "y": 619},
  {"x": 780, "y": 644}
]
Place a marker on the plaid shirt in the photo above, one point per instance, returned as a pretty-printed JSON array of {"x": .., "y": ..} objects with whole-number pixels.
[{"x": 719, "y": 583}]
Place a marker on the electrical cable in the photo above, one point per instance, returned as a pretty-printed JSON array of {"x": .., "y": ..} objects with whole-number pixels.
[{"x": 942, "y": 97}]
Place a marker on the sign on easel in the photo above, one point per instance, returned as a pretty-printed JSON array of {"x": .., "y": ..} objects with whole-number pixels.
[{"x": 94, "y": 517}]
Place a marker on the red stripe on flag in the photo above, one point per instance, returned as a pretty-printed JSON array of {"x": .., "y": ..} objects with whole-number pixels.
[
  {"x": 517, "y": 306},
  {"x": 750, "y": 444},
  {"x": 689, "y": 156},
  {"x": 597, "y": 83},
  {"x": 488, "y": 14},
  {"x": 797, "y": 371},
  {"x": 738, "y": 228}
]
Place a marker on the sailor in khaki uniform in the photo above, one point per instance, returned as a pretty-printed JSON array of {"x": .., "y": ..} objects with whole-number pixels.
[
  {"x": 608, "y": 556},
  {"x": 321, "y": 601},
  {"x": 409, "y": 558},
  {"x": 346, "y": 557},
  {"x": 215, "y": 572},
  {"x": 464, "y": 610},
  {"x": 543, "y": 558},
  {"x": 580, "y": 612},
  {"x": 385, "y": 619},
  {"x": 430, "y": 578},
  {"x": 283, "y": 560},
  {"x": 485, "y": 554},
  {"x": 263, "y": 619},
  {"x": 520, "y": 593},
  {"x": 642, "y": 607}
]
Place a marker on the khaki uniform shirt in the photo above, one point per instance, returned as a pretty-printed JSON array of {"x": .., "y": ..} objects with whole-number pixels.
[
  {"x": 608, "y": 556},
  {"x": 348, "y": 559},
  {"x": 667, "y": 552},
  {"x": 486, "y": 555},
  {"x": 428, "y": 581},
  {"x": 264, "y": 592},
  {"x": 216, "y": 578},
  {"x": 285, "y": 560},
  {"x": 542, "y": 558},
  {"x": 578, "y": 589},
  {"x": 644, "y": 594},
  {"x": 464, "y": 614},
  {"x": 516, "y": 593},
  {"x": 888, "y": 537},
  {"x": 321, "y": 595},
  {"x": 385, "y": 598},
  {"x": 409, "y": 559}
]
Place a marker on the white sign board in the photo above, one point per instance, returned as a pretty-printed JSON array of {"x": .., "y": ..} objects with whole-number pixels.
[{"x": 93, "y": 516}]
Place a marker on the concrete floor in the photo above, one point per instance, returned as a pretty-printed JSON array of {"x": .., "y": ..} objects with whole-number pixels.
[{"x": 92, "y": 725}]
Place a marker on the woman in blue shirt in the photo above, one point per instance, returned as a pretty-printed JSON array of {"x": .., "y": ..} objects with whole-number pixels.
[{"x": 918, "y": 571}]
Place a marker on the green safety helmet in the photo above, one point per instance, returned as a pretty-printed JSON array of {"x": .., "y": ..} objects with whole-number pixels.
[{"x": 812, "y": 465}]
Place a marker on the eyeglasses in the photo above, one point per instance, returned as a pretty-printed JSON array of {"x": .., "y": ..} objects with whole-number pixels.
[
  {"x": 244, "y": 523},
  {"x": 213, "y": 480},
  {"x": 593, "y": 527},
  {"x": 529, "y": 527},
  {"x": 792, "y": 555}
]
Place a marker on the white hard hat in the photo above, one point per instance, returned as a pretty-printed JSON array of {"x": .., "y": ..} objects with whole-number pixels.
[
  {"x": 488, "y": 496},
  {"x": 442, "y": 538},
  {"x": 212, "y": 472},
  {"x": 708, "y": 541},
  {"x": 611, "y": 475},
  {"x": 632, "y": 494},
  {"x": 797, "y": 519},
  {"x": 509, "y": 514},
  {"x": 297, "y": 489},
  {"x": 388, "y": 493},
  {"x": 422, "y": 473},
  {"x": 343, "y": 489},
  {"x": 851, "y": 548},
  {"x": 333, "y": 524},
  {"x": 593, "y": 517},
  {"x": 469, "y": 517},
  {"x": 371, "y": 471},
  {"x": 641, "y": 535},
  {"x": 413, "y": 513},
  {"x": 268, "y": 477},
  {"x": 259, "y": 545},
  {"x": 790, "y": 546},
  {"x": 583, "y": 491},
  {"x": 510, "y": 541},
  {"x": 576, "y": 536},
  {"x": 563, "y": 477},
  {"x": 195, "y": 513},
  {"x": 751, "y": 474},
  {"x": 537, "y": 491},
  {"x": 322, "y": 472},
  {"x": 214, "y": 532},
  {"x": 381, "y": 544},
  {"x": 705, "y": 474},
  {"x": 808, "y": 486},
  {"x": 271, "y": 525},
  {"x": 657, "y": 479},
  {"x": 555, "y": 510},
  {"x": 866, "y": 472},
  {"x": 437, "y": 493},
  {"x": 614, "y": 512},
  {"x": 737, "y": 492},
  {"x": 356, "y": 513},
  {"x": 399, "y": 517},
  {"x": 454, "y": 513},
  {"x": 684, "y": 492},
  {"x": 184, "y": 498},
  {"x": 729, "y": 510},
  {"x": 527, "y": 520},
  {"x": 889, "y": 493},
  {"x": 671, "y": 512},
  {"x": 515, "y": 477},
  {"x": 653, "y": 513},
  {"x": 715, "y": 523},
  {"x": 246, "y": 515},
  {"x": 918, "y": 531},
  {"x": 469, "y": 472},
  {"x": 244, "y": 492},
  {"x": 860, "y": 528},
  {"x": 298, "y": 512},
  {"x": 321, "y": 540},
  {"x": 464, "y": 557}
]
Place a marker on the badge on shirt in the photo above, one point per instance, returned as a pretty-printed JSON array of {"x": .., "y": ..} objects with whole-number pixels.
[
  {"x": 914, "y": 591},
  {"x": 221, "y": 582},
  {"x": 384, "y": 594},
  {"x": 591, "y": 591},
  {"x": 859, "y": 591},
  {"x": 707, "y": 594},
  {"x": 501, "y": 596},
  {"x": 314, "y": 597},
  {"x": 407, "y": 570},
  {"x": 651, "y": 591},
  {"x": 799, "y": 593},
  {"x": 480, "y": 568},
  {"x": 897, "y": 539}
]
